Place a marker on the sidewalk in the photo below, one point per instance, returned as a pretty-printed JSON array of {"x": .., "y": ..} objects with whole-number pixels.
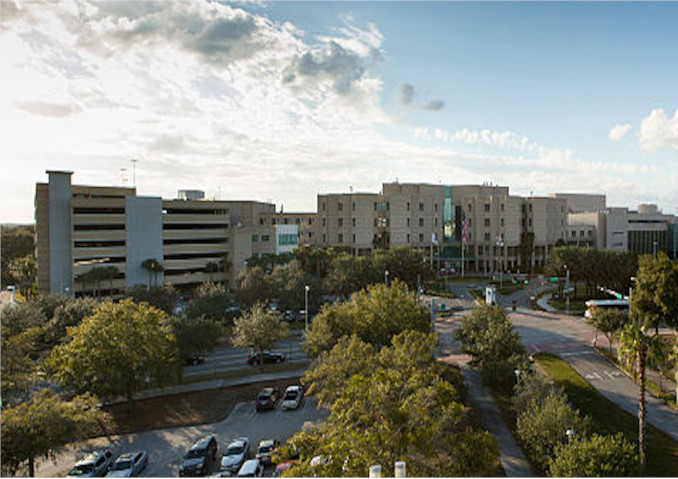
[
  {"x": 213, "y": 384},
  {"x": 543, "y": 303}
]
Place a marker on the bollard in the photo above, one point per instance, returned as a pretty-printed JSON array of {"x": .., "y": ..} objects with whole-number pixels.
[
  {"x": 400, "y": 470},
  {"x": 375, "y": 471}
]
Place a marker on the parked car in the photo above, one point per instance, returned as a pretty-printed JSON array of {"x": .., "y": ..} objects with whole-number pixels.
[
  {"x": 129, "y": 464},
  {"x": 95, "y": 464},
  {"x": 269, "y": 357},
  {"x": 267, "y": 399},
  {"x": 197, "y": 358},
  {"x": 251, "y": 468},
  {"x": 235, "y": 454},
  {"x": 292, "y": 397},
  {"x": 266, "y": 449},
  {"x": 200, "y": 458}
]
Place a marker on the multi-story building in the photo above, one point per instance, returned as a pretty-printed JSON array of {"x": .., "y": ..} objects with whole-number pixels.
[
  {"x": 305, "y": 223},
  {"x": 432, "y": 217},
  {"x": 642, "y": 231},
  {"x": 84, "y": 228}
]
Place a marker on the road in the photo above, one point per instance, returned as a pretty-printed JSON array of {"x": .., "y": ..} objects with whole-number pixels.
[
  {"x": 166, "y": 447},
  {"x": 227, "y": 358}
]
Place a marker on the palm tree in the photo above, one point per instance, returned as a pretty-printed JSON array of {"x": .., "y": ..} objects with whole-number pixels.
[
  {"x": 24, "y": 270},
  {"x": 152, "y": 265},
  {"x": 638, "y": 351}
]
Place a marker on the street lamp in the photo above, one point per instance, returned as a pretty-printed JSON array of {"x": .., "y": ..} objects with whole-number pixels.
[
  {"x": 386, "y": 277},
  {"x": 567, "y": 290},
  {"x": 654, "y": 249},
  {"x": 570, "y": 434},
  {"x": 307, "y": 288},
  {"x": 517, "y": 372}
]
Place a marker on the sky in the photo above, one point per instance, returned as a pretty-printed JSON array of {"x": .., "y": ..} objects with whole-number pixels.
[{"x": 281, "y": 101}]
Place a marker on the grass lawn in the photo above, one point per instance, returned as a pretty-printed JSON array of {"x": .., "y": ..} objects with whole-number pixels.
[
  {"x": 200, "y": 407},
  {"x": 608, "y": 418}
]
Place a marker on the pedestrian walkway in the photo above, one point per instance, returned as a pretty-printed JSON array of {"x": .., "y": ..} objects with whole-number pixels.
[
  {"x": 510, "y": 455},
  {"x": 212, "y": 384},
  {"x": 543, "y": 303}
]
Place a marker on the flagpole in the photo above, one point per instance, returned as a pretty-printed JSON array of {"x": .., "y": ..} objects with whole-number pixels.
[{"x": 463, "y": 247}]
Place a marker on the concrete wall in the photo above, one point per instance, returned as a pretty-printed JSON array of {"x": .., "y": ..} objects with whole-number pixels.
[
  {"x": 60, "y": 256},
  {"x": 143, "y": 239}
]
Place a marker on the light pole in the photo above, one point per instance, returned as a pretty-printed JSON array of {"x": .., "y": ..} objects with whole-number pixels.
[
  {"x": 567, "y": 290},
  {"x": 386, "y": 277},
  {"x": 654, "y": 249},
  {"x": 570, "y": 435},
  {"x": 307, "y": 288},
  {"x": 517, "y": 372}
]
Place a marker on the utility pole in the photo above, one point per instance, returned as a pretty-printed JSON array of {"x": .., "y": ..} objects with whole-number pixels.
[
  {"x": 567, "y": 290},
  {"x": 134, "y": 172}
]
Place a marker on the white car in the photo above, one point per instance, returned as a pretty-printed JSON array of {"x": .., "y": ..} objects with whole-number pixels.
[
  {"x": 292, "y": 397},
  {"x": 235, "y": 454},
  {"x": 94, "y": 464},
  {"x": 251, "y": 468},
  {"x": 129, "y": 464}
]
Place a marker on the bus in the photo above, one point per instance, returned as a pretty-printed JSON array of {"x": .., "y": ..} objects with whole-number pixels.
[{"x": 618, "y": 304}]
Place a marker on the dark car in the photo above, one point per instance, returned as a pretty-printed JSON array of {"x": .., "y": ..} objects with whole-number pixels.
[
  {"x": 199, "y": 459},
  {"x": 267, "y": 399},
  {"x": 266, "y": 449},
  {"x": 269, "y": 357}
]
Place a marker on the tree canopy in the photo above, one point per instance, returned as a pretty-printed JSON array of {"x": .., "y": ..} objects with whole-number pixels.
[
  {"x": 597, "y": 456},
  {"x": 119, "y": 349},
  {"x": 655, "y": 295},
  {"x": 375, "y": 315},
  {"x": 259, "y": 330},
  {"x": 40, "y": 427}
]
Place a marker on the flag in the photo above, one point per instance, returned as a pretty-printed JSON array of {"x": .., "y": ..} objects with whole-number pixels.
[
  {"x": 434, "y": 240},
  {"x": 464, "y": 228},
  {"x": 499, "y": 239}
]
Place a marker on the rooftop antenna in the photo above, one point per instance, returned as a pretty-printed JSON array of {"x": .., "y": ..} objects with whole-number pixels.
[
  {"x": 123, "y": 178},
  {"x": 134, "y": 171}
]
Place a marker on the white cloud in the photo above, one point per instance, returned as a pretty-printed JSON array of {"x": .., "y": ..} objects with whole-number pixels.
[
  {"x": 658, "y": 131},
  {"x": 619, "y": 131}
]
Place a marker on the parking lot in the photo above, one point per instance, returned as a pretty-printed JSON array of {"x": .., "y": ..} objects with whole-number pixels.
[{"x": 166, "y": 447}]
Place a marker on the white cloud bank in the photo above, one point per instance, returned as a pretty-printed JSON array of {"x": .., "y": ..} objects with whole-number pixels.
[
  {"x": 619, "y": 131},
  {"x": 658, "y": 131}
]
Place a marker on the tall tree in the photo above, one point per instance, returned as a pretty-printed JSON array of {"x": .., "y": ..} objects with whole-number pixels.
[
  {"x": 253, "y": 286},
  {"x": 608, "y": 321},
  {"x": 210, "y": 301},
  {"x": 655, "y": 295},
  {"x": 41, "y": 426},
  {"x": 25, "y": 270},
  {"x": 259, "y": 330},
  {"x": 116, "y": 351},
  {"x": 194, "y": 336},
  {"x": 16, "y": 242},
  {"x": 637, "y": 351}
]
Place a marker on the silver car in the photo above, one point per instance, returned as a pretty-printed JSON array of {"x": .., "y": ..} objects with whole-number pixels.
[
  {"x": 129, "y": 464},
  {"x": 95, "y": 464},
  {"x": 235, "y": 454}
]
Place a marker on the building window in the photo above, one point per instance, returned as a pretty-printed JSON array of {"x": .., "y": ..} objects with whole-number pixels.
[
  {"x": 421, "y": 222},
  {"x": 408, "y": 238},
  {"x": 529, "y": 222},
  {"x": 435, "y": 207},
  {"x": 353, "y": 238},
  {"x": 375, "y": 206},
  {"x": 469, "y": 222},
  {"x": 298, "y": 221},
  {"x": 388, "y": 206},
  {"x": 529, "y": 207},
  {"x": 287, "y": 239},
  {"x": 340, "y": 222},
  {"x": 469, "y": 207},
  {"x": 375, "y": 222},
  {"x": 265, "y": 238},
  {"x": 340, "y": 206},
  {"x": 590, "y": 233},
  {"x": 324, "y": 238},
  {"x": 408, "y": 206},
  {"x": 310, "y": 221},
  {"x": 487, "y": 222},
  {"x": 487, "y": 236},
  {"x": 273, "y": 221},
  {"x": 469, "y": 236},
  {"x": 354, "y": 206},
  {"x": 353, "y": 222},
  {"x": 501, "y": 222},
  {"x": 323, "y": 205},
  {"x": 435, "y": 221},
  {"x": 255, "y": 238},
  {"x": 502, "y": 207},
  {"x": 581, "y": 234},
  {"x": 421, "y": 206},
  {"x": 261, "y": 221},
  {"x": 340, "y": 238},
  {"x": 324, "y": 222},
  {"x": 421, "y": 238},
  {"x": 286, "y": 220},
  {"x": 487, "y": 207},
  {"x": 574, "y": 234}
]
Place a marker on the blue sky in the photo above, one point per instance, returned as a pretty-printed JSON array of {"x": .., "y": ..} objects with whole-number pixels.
[{"x": 279, "y": 101}]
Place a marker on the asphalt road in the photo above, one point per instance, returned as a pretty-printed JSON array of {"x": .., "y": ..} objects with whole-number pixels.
[
  {"x": 227, "y": 358},
  {"x": 166, "y": 447}
]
